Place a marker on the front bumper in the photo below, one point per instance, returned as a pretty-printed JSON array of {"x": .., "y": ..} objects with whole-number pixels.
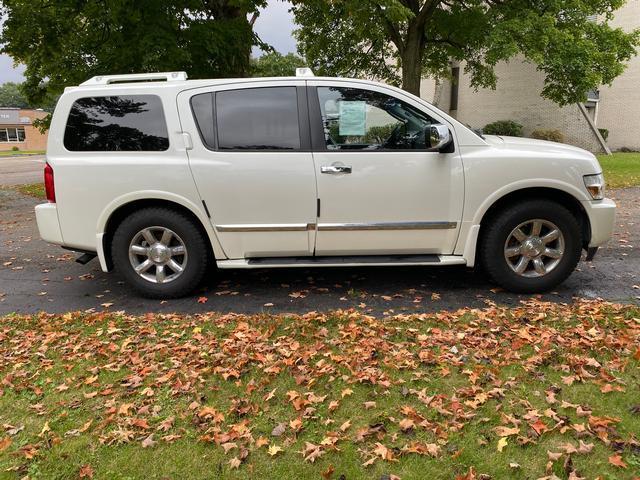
[
  {"x": 48, "y": 224},
  {"x": 602, "y": 217}
]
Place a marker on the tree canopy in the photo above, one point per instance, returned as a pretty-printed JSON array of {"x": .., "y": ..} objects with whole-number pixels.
[
  {"x": 400, "y": 41},
  {"x": 11, "y": 96},
  {"x": 64, "y": 42},
  {"x": 274, "y": 64}
]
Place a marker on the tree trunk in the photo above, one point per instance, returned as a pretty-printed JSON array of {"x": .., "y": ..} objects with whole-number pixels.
[{"x": 412, "y": 62}]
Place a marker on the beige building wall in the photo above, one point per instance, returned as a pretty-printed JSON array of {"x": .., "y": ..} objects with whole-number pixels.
[
  {"x": 619, "y": 108},
  {"x": 518, "y": 97},
  {"x": 33, "y": 139}
]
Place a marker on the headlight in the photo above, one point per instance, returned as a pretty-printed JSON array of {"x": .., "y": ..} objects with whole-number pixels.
[{"x": 595, "y": 185}]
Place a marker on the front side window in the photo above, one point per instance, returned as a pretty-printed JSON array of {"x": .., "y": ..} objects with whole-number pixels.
[
  {"x": 258, "y": 119},
  {"x": 356, "y": 119},
  {"x": 124, "y": 123}
]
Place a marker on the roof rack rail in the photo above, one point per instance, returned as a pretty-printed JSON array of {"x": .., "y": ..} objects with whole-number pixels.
[{"x": 136, "y": 77}]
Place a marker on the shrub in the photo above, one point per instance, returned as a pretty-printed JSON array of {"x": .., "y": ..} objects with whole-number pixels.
[
  {"x": 604, "y": 132},
  {"x": 15, "y": 149},
  {"x": 550, "y": 135},
  {"x": 503, "y": 127}
]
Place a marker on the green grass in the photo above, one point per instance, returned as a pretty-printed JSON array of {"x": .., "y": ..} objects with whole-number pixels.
[
  {"x": 32, "y": 189},
  {"x": 513, "y": 356},
  {"x": 621, "y": 169},
  {"x": 11, "y": 153}
]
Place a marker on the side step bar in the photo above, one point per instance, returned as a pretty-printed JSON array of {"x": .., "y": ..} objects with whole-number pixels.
[
  {"x": 348, "y": 261},
  {"x": 85, "y": 258}
]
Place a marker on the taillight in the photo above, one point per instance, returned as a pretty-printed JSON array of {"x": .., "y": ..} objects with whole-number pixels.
[{"x": 49, "y": 186}]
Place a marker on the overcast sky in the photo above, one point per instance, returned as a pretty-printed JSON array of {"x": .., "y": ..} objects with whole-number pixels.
[{"x": 274, "y": 26}]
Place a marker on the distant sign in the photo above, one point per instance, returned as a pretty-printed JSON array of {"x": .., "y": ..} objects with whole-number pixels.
[{"x": 9, "y": 117}]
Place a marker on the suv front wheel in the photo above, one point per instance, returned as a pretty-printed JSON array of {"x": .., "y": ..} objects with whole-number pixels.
[
  {"x": 160, "y": 252},
  {"x": 531, "y": 247}
]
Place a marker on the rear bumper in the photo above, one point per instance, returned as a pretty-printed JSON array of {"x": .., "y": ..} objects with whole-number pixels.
[
  {"x": 48, "y": 224},
  {"x": 602, "y": 217}
]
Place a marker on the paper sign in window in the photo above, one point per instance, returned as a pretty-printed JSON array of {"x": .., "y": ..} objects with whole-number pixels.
[{"x": 353, "y": 118}]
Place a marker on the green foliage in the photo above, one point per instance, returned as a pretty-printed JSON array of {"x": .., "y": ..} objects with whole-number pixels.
[
  {"x": 374, "y": 37},
  {"x": 550, "y": 135},
  {"x": 379, "y": 134},
  {"x": 508, "y": 128},
  {"x": 15, "y": 149},
  {"x": 11, "y": 96},
  {"x": 604, "y": 132},
  {"x": 274, "y": 64},
  {"x": 66, "y": 41}
]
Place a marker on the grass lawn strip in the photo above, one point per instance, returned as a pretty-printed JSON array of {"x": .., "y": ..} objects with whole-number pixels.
[
  {"x": 621, "y": 170},
  {"x": 528, "y": 392}
]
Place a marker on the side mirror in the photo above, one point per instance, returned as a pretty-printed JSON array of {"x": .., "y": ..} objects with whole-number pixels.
[{"x": 439, "y": 137}]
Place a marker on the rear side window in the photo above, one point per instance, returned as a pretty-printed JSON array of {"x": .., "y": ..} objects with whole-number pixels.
[
  {"x": 124, "y": 123},
  {"x": 258, "y": 119},
  {"x": 202, "y": 106}
]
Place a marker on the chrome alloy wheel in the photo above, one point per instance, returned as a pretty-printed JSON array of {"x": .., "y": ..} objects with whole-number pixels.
[
  {"x": 158, "y": 254},
  {"x": 534, "y": 248}
]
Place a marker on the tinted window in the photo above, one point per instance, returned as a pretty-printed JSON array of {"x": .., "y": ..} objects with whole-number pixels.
[
  {"x": 202, "y": 106},
  {"x": 356, "y": 119},
  {"x": 117, "y": 124},
  {"x": 258, "y": 119}
]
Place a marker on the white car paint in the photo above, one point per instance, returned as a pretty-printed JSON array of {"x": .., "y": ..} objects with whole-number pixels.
[{"x": 247, "y": 193}]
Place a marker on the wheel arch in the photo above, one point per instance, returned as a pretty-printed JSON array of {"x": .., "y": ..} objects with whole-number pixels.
[
  {"x": 535, "y": 193},
  {"x": 119, "y": 210}
]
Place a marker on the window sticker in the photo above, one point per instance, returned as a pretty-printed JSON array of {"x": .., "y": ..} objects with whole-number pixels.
[{"x": 353, "y": 118}]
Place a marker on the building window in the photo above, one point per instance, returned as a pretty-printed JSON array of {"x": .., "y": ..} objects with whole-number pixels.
[{"x": 12, "y": 134}]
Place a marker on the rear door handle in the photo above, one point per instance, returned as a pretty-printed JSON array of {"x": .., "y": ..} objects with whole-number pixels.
[{"x": 333, "y": 169}]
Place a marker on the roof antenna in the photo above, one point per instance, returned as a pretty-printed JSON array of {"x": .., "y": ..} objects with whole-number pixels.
[{"x": 304, "y": 72}]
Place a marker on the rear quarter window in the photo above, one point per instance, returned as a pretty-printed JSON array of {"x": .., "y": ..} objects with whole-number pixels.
[{"x": 124, "y": 123}]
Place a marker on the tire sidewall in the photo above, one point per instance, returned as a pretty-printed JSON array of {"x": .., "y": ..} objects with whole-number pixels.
[
  {"x": 504, "y": 223},
  {"x": 184, "y": 228}
]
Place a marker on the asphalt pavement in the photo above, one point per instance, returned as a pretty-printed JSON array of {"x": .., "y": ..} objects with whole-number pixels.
[
  {"x": 21, "y": 169},
  {"x": 36, "y": 276}
]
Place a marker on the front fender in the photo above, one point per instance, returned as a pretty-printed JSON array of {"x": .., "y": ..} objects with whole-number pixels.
[{"x": 477, "y": 214}]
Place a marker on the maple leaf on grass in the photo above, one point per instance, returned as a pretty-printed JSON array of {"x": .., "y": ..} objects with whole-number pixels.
[
  {"x": 274, "y": 450},
  {"x": 617, "y": 461},
  {"x": 86, "y": 471}
]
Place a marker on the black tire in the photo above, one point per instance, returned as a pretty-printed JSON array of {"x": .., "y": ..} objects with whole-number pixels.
[
  {"x": 498, "y": 229},
  {"x": 191, "y": 235}
]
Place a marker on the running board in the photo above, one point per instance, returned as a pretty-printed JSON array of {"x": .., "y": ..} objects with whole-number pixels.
[{"x": 348, "y": 261}]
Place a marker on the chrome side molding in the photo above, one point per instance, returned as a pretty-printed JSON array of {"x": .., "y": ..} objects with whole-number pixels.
[
  {"x": 387, "y": 226},
  {"x": 290, "y": 227},
  {"x": 336, "y": 227}
]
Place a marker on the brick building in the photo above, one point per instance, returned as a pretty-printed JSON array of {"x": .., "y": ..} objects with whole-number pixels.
[
  {"x": 517, "y": 97},
  {"x": 17, "y": 130}
]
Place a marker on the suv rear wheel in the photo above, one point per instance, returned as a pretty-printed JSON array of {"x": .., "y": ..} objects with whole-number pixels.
[
  {"x": 160, "y": 252},
  {"x": 532, "y": 246}
]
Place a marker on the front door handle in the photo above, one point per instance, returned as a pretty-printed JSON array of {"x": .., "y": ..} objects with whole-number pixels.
[{"x": 333, "y": 169}]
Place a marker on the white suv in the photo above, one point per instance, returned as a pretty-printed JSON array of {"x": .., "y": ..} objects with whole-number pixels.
[{"x": 159, "y": 177}]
